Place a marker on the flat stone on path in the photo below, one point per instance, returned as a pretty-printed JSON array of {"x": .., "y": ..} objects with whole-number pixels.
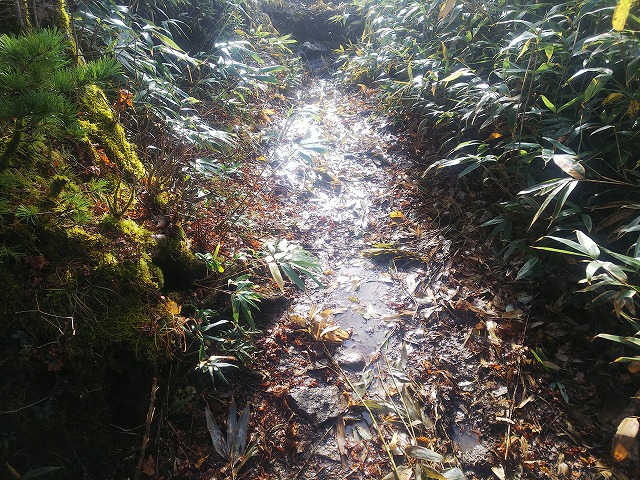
[
  {"x": 316, "y": 404},
  {"x": 350, "y": 360}
]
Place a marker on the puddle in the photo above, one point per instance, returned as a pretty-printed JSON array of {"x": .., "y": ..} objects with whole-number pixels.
[
  {"x": 335, "y": 161},
  {"x": 464, "y": 438}
]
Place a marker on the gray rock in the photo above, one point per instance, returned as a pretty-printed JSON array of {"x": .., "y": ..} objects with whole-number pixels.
[
  {"x": 350, "y": 360},
  {"x": 317, "y": 405},
  {"x": 312, "y": 50}
]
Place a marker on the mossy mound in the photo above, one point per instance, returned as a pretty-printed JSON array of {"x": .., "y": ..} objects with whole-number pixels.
[
  {"x": 104, "y": 130},
  {"x": 179, "y": 265}
]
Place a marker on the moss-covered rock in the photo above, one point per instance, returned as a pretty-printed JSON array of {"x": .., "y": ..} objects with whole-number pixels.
[
  {"x": 135, "y": 232},
  {"x": 104, "y": 129},
  {"x": 179, "y": 265}
]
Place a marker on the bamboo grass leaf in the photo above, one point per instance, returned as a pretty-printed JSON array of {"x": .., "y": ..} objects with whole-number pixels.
[
  {"x": 38, "y": 472},
  {"x": 293, "y": 276},
  {"x": 563, "y": 199},
  {"x": 570, "y": 243},
  {"x": 548, "y": 200},
  {"x": 527, "y": 267},
  {"x": 620, "y": 14},
  {"x": 423, "y": 453},
  {"x": 590, "y": 246},
  {"x": 219, "y": 444},
  {"x": 569, "y": 165},
  {"x": 232, "y": 427},
  {"x": 548, "y": 103},
  {"x": 277, "y": 276},
  {"x": 241, "y": 433},
  {"x": 629, "y": 341}
]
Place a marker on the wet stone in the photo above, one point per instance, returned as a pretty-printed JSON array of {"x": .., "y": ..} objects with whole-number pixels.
[
  {"x": 313, "y": 49},
  {"x": 317, "y": 405},
  {"x": 350, "y": 360},
  {"x": 328, "y": 450}
]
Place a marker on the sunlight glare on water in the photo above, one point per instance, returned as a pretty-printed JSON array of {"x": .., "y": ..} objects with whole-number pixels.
[{"x": 339, "y": 185}]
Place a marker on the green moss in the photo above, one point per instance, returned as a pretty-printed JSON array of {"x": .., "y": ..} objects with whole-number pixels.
[
  {"x": 58, "y": 183},
  {"x": 24, "y": 15},
  {"x": 133, "y": 230},
  {"x": 107, "y": 259},
  {"x": 104, "y": 129},
  {"x": 88, "y": 242},
  {"x": 161, "y": 200},
  {"x": 63, "y": 21},
  {"x": 139, "y": 275},
  {"x": 178, "y": 263}
]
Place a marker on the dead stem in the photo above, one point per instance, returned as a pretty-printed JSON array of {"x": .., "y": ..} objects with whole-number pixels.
[
  {"x": 394, "y": 467},
  {"x": 147, "y": 429},
  {"x": 517, "y": 378}
]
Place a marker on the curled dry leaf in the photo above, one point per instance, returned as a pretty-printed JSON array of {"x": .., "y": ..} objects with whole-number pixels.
[
  {"x": 334, "y": 334},
  {"x": 454, "y": 474},
  {"x": 625, "y": 442},
  {"x": 430, "y": 472}
]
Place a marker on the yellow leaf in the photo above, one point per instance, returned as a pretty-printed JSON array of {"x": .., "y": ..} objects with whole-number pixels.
[
  {"x": 396, "y": 214},
  {"x": 446, "y": 8},
  {"x": 494, "y": 136},
  {"x": 625, "y": 438},
  {"x": 334, "y": 334},
  {"x": 14, "y": 473},
  {"x": 432, "y": 473},
  {"x": 149, "y": 466},
  {"x": 620, "y": 14},
  {"x": 172, "y": 307},
  {"x": 298, "y": 321},
  {"x": 265, "y": 115},
  {"x": 394, "y": 441},
  {"x": 612, "y": 97},
  {"x": 634, "y": 109}
]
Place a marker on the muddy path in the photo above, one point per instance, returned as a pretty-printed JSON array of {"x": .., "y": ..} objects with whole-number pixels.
[
  {"x": 405, "y": 377},
  {"x": 412, "y": 360}
]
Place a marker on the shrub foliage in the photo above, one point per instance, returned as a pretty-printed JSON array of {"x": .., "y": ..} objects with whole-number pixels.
[{"x": 541, "y": 100}]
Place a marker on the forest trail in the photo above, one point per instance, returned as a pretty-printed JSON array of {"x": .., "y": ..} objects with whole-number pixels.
[{"x": 412, "y": 357}]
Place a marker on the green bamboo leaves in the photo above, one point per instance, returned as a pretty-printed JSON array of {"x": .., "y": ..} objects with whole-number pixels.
[
  {"x": 244, "y": 299},
  {"x": 292, "y": 260}
]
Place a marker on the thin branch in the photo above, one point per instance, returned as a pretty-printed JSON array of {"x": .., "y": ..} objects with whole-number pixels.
[
  {"x": 25, "y": 407},
  {"x": 147, "y": 430}
]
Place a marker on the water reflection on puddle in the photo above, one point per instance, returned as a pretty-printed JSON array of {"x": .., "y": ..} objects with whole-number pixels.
[
  {"x": 333, "y": 160},
  {"x": 465, "y": 439}
]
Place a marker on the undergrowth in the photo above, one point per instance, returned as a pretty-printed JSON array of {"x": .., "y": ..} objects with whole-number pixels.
[
  {"x": 536, "y": 102},
  {"x": 126, "y": 140}
]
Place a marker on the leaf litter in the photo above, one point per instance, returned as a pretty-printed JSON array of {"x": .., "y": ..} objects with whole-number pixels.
[{"x": 451, "y": 387}]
